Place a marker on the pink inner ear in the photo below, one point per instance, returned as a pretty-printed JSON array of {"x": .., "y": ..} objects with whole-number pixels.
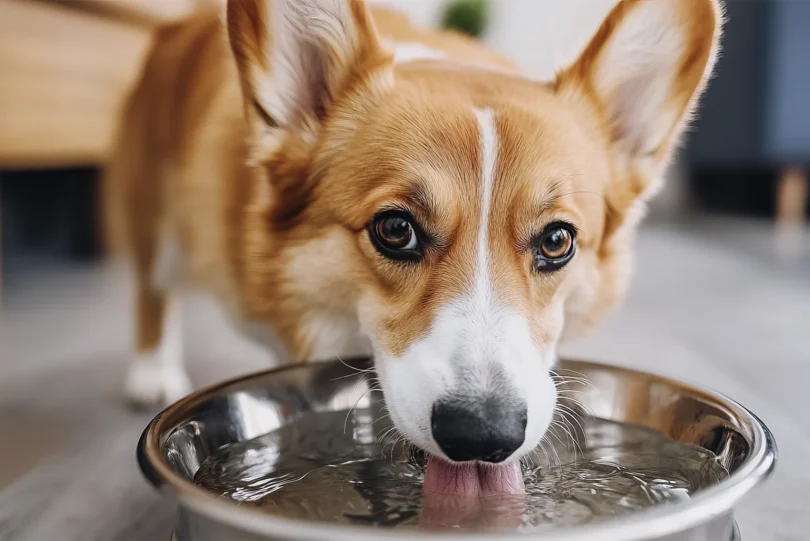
[
  {"x": 636, "y": 64},
  {"x": 310, "y": 46},
  {"x": 641, "y": 117},
  {"x": 306, "y": 95},
  {"x": 633, "y": 114},
  {"x": 635, "y": 80}
]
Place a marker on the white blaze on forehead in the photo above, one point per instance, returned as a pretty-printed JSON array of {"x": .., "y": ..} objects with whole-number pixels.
[{"x": 489, "y": 150}]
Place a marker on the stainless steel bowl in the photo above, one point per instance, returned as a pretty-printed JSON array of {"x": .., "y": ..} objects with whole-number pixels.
[{"x": 178, "y": 440}]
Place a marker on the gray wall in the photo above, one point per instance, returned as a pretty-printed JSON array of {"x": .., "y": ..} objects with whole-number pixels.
[{"x": 787, "y": 113}]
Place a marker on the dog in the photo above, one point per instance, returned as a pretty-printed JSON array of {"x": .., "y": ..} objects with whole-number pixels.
[{"x": 346, "y": 184}]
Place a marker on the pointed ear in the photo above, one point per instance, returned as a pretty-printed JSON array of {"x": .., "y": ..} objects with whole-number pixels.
[
  {"x": 644, "y": 69},
  {"x": 296, "y": 57}
]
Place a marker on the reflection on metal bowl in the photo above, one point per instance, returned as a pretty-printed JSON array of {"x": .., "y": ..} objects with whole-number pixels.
[{"x": 179, "y": 441}]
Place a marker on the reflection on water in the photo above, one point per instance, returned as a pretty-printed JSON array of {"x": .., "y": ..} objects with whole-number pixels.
[{"x": 315, "y": 469}]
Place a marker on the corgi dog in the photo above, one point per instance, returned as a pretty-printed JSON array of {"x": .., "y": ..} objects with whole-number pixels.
[{"x": 347, "y": 184}]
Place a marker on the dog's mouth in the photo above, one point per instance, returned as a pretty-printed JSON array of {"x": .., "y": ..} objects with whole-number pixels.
[{"x": 471, "y": 479}]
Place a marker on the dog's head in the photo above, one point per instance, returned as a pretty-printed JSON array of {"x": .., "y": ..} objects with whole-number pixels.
[{"x": 463, "y": 218}]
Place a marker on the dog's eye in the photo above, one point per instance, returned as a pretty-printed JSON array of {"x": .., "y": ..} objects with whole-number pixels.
[
  {"x": 394, "y": 235},
  {"x": 554, "y": 247}
]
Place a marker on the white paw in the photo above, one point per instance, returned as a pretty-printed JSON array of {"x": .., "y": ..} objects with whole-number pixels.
[{"x": 151, "y": 382}]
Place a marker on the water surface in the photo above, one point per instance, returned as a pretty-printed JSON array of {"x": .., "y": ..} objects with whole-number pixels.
[{"x": 330, "y": 467}]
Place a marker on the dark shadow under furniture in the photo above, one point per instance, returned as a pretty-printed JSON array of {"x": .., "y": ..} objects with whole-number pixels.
[{"x": 750, "y": 148}]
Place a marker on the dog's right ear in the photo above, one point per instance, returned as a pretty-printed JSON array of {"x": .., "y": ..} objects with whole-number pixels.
[{"x": 296, "y": 57}]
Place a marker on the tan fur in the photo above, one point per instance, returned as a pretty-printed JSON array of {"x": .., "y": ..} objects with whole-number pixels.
[{"x": 273, "y": 218}]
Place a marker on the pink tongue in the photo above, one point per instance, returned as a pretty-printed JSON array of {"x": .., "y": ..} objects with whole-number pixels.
[{"x": 472, "y": 479}]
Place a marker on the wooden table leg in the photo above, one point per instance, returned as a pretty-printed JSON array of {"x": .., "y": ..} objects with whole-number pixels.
[
  {"x": 792, "y": 193},
  {"x": 1, "y": 241}
]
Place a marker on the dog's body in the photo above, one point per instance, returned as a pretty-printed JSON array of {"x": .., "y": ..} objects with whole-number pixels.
[{"x": 346, "y": 184}]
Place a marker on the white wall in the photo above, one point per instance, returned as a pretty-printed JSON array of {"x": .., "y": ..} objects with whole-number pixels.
[
  {"x": 544, "y": 35},
  {"x": 537, "y": 34}
]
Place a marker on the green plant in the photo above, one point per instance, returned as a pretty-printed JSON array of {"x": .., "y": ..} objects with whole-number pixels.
[{"x": 466, "y": 16}]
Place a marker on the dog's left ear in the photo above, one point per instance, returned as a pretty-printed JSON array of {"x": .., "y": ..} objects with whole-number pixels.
[
  {"x": 296, "y": 58},
  {"x": 643, "y": 71}
]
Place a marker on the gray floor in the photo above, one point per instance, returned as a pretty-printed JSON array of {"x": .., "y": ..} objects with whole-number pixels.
[{"x": 710, "y": 304}]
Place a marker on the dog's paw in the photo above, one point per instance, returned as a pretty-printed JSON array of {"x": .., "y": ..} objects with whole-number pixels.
[{"x": 151, "y": 383}]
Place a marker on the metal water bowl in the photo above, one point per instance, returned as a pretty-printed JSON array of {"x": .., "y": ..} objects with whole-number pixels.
[{"x": 178, "y": 440}]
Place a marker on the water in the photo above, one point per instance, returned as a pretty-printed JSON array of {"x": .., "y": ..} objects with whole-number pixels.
[{"x": 315, "y": 470}]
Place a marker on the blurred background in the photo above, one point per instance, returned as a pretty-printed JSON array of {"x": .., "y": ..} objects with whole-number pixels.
[{"x": 721, "y": 297}]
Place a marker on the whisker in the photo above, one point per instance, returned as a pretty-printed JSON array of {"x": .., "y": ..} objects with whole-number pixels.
[
  {"x": 399, "y": 438},
  {"x": 536, "y": 458},
  {"x": 565, "y": 411},
  {"x": 348, "y": 413},
  {"x": 577, "y": 447},
  {"x": 357, "y": 384},
  {"x": 571, "y": 376},
  {"x": 556, "y": 454},
  {"x": 552, "y": 427},
  {"x": 381, "y": 439},
  {"x": 380, "y": 418},
  {"x": 357, "y": 370},
  {"x": 560, "y": 370},
  {"x": 586, "y": 409},
  {"x": 345, "y": 376},
  {"x": 542, "y": 447},
  {"x": 544, "y": 441}
]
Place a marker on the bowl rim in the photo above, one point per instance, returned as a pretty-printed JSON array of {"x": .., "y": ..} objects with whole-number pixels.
[{"x": 653, "y": 522}]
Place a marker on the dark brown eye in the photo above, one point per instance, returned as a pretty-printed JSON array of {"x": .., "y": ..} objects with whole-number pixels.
[
  {"x": 554, "y": 247},
  {"x": 556, "y": 243},
  {"x": 394, "y": 235}
]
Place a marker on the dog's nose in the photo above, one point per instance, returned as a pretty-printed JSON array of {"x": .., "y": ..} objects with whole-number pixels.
[{"x": 488, "y": 430}]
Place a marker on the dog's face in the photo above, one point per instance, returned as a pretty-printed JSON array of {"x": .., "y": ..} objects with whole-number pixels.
[{"x": 465, "y": 218}]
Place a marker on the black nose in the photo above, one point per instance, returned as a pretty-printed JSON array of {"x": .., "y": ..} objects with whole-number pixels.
[{"x": 488, "y": 430}]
